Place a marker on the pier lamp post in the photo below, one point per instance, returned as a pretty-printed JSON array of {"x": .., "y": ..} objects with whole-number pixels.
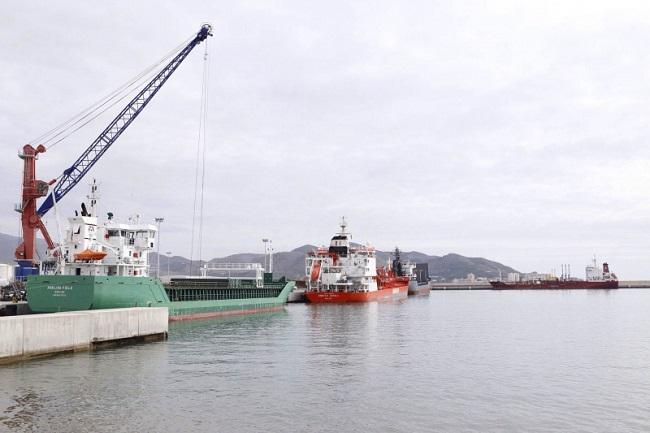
[
  {"x": 266, "y": 251},
  {"x": 158, "y": 221},
  {"x": 169, "y": 256}
]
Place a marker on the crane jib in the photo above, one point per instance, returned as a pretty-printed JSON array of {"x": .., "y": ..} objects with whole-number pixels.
[{"x": 72, "y": 175}]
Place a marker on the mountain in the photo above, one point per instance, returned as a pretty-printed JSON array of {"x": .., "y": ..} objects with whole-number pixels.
[
  {"x": 8, "y": 244},
  {"x": 452, "y": 265},
  {"x": 292, "y": 263}
]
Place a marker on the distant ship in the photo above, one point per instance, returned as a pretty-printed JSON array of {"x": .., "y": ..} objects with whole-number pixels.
[
  {"x": 408, "y": 268},
  {"x": 342, "y": 274},
  {"x": 596, "y": 278}
]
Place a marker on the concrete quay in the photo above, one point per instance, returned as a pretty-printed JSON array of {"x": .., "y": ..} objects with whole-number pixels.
[
  {"x": 634, "y": 284},
  {"x": 27, "y": 336},
  {"x": 479, "y": 285}
]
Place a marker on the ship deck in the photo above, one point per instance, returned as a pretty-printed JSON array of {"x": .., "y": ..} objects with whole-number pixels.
[{"x": 217, "y": 289}]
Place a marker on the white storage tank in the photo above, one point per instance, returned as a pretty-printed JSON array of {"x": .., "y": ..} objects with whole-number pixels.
[{"x": 513, "y": 277}]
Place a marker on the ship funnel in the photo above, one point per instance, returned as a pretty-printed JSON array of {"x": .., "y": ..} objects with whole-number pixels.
[{"x": 605, "y": 268}]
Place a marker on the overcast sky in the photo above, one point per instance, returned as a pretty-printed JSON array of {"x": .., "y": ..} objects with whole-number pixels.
[{"x": 517, "y": 131}]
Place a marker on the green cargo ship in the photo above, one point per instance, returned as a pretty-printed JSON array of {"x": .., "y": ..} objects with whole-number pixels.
[
  {"x": 105, "y": 265},
  {"x": 186, "y": 298}
]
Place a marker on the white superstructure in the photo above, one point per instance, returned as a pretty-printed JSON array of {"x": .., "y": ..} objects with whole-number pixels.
[
  {"x": 596, "y": 273},
  {"x": 407, "y": 267},
  {"x": 94, "y": 247},
  {"x": 342, "y": 268}
]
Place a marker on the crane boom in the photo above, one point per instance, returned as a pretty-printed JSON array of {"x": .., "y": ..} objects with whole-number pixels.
[
  {"x": 72, "y": 175},
  {"x": 33, "y": 189}
]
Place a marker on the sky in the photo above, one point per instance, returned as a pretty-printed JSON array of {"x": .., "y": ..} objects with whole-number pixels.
[{"x": 516, "y": 131}]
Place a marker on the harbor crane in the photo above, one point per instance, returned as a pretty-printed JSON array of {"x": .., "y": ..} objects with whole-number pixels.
[{"x": 33, "y": 189}]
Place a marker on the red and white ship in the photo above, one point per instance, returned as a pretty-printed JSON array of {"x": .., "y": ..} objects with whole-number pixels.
[
  {"x": 342, "y": 273},
  {"x": 597, "y": 278}
]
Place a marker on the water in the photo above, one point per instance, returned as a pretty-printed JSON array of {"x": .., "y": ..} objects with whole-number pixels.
[{"x": 456, "y": 361}]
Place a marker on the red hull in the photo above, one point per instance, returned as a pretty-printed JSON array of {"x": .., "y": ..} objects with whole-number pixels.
[
  {"x": 554, "y": 285},
  {"x": 393, "y": 293}
]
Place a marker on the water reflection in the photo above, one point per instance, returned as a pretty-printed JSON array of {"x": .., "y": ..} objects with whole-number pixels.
[
  {"x": 456, "y": 361},
  {"x": 25, "y": 409}
]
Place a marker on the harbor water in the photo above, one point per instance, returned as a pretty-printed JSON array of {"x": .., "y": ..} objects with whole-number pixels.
[{"x": 461, "y": 361}]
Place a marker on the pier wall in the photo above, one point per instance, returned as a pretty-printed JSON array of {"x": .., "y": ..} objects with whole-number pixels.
[
  {"x": 479, "y": 285},
  {"x": 22, "y": 337}
]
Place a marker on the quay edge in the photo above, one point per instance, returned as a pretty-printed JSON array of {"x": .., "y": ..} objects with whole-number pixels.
[{"x": 35, "y": 335}]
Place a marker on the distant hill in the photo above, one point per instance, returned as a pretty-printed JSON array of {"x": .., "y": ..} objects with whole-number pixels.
[
  {"x": 8, "y": 244},
  {"x": 452, "y": 265},
  {"x": 292, "y": 263}
]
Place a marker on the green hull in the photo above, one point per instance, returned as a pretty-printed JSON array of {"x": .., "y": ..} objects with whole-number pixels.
[{"x": 56, "y": 293}]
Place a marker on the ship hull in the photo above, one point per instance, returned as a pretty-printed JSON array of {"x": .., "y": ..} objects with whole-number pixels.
[
  {"x": 416, "y": 289},
  {"x": 555, "y": 285},
  {"x": 58, "y": 293},
  {"x": 387, "y": 294}
]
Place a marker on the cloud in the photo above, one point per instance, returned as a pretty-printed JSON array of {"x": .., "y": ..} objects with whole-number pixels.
[{"x": 515, "y": 131}]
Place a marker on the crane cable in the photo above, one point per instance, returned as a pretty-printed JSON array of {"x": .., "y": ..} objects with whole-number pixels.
[
  {"x": 200, "y": 164},
  {"x": 205, "y": 121},
  {"x": 120, "y": 93}
]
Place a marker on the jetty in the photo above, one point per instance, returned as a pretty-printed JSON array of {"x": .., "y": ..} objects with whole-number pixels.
[
  {"x": 484, "y": 285},
  {"x": 33, "y": 335}
]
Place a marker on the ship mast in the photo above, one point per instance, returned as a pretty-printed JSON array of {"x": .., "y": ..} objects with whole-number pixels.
[{"x": 343, "y": 224}]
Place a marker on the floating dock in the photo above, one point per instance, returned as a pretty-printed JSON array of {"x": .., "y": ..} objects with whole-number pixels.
[{"x": 32, "y": 335}]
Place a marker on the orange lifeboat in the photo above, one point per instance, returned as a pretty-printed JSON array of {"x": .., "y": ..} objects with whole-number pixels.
[
  {"x": 89, "y": 255},
  {"x": 315, "y": 270}
]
